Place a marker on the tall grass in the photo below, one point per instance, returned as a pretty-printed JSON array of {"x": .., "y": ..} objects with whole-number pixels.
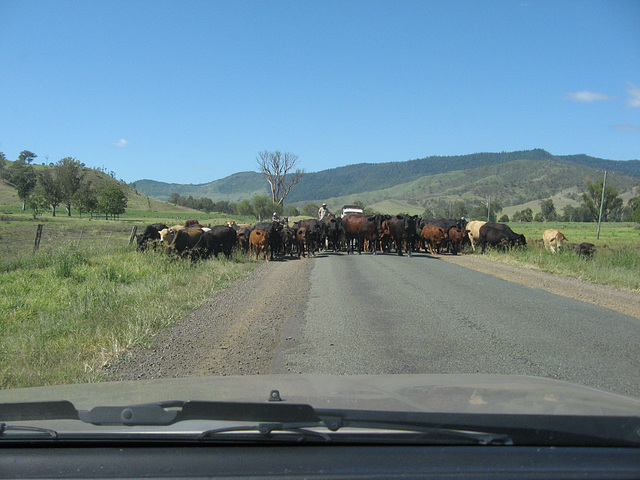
[{"x": 66, "y": 313}]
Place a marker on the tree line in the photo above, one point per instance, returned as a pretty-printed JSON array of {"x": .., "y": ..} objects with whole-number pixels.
[
  {"x": 613, "y": 209},
  {"x": 63, "y": 184}
]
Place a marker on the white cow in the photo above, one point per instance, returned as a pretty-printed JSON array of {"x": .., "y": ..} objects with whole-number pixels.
[
  {"x": 552, "y": 239},
  {"x": 474, "y": 232}
]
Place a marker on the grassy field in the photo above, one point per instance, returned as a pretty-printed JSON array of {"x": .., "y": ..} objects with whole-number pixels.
[
  {"x": 615, "y": 263},
  {"x": 86, "y": 295}
]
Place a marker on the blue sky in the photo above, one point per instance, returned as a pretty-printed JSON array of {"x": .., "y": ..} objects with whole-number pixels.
[{"x": 190, "y": 92}]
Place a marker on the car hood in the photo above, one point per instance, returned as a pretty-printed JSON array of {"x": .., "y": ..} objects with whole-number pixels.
[{"x": 455, "y": 393}]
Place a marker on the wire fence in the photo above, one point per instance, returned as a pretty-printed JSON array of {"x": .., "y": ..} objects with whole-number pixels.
[{"x": 22, "y": 239}]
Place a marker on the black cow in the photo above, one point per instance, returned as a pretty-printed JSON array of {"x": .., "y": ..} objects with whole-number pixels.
[
  {"x": 220, "y": 238},
  {"x": 332, "y": 232},
  {"x": 402, "y": 229},
  {"x": 499, "y": 235},
  {"x": 314, "y": 233},
  {"x": 152, "y": 232}
]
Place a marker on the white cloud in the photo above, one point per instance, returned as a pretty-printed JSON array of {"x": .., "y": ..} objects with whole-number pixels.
[
  {"x": 626, "y": 128},
  {"x": 634, "y": 96},
  {"x": 586, "y": 96},
  {"x": 120, "y": 143}
]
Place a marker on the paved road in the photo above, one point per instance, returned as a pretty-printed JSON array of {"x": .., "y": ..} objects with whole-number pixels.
[{"x": 384, "y": 314}]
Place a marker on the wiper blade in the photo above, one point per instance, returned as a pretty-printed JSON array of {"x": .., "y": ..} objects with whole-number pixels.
[
  {"x": 361, "y": 432},
  {"x": 21, "y": 430},
  {"x": 264, "y": 431}
]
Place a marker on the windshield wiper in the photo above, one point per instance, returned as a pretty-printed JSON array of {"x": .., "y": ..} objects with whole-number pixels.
[
  {"x": 277, "y": 420},
  {"x": 364, "y": 432}
]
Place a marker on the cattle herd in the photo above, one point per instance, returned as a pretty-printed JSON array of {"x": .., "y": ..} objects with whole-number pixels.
[{"x": 353, "y": 232}]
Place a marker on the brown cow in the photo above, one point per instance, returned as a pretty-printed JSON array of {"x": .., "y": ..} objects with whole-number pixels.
[
  {"x": 184, "y": 241},
  {"x": 360, "y": 227},
  {"x": 434, "y": 237},
  {"x": 302, "y": 240},
  {"x": 259, "y": 241},
  {"x": 457, "y": 238}
]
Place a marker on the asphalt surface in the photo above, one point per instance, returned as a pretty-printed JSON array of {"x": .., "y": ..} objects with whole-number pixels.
[{"x": 383, "y": 314}]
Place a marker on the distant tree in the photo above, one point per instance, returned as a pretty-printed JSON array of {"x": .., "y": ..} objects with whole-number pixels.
[
  {"x": 504, "y": 219},
  {"x": 593, "y": 197},
  {"x": 225, "y": 206},
  {"x": 263, "y": 208},
  {"x": 496, "y": 208},
  {"x": 428, "y": 213},
  {"x": 460, "y": 210},
  {"x": 244, "y": 208},
  {"x": 481, "y": 212},
  {"x": 86, "y": 200},
  {"x": 26, "y": 157},
  {"x": 51, "y": 189},
  {"x": 548, "y": 210},
  {"x": 69, "y": 174},
  {"x": 634, "y": 207},
  {"x": 291, "y": 211},
  {"x": 571, "y": 213},
  {"x": 278, "y": 168},
  {"x": 36, "y": 202},
  {"x": 310, "y": 210},
  {"x": 525, "y": 215},
  {"x": 538, "y": 217},
  {"x": 174, "y": 198},
  {"x": 112, "y": 201},
  {"x": 3, "y": 165},
  {"x": 206, "y": 205},
  {"x": 23, "y": 178}
]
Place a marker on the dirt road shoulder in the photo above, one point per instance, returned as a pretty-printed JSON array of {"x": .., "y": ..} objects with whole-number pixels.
[
  {"x": 622, "y": 301},
  {"x": 234, "y": 333}
]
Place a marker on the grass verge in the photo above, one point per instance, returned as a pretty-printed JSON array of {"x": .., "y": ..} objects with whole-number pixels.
[
  {"x": 616, "y": 262},
  {"x": 65, "y": 313}
]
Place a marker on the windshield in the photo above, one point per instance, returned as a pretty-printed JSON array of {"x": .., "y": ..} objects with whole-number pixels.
[{"x": 425, "y": 207}]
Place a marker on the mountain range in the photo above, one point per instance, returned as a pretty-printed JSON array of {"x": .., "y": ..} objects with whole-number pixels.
[{"x": 513, "y": 178}]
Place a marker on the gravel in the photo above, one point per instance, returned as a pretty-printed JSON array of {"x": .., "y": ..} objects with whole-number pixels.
[{"x": 234, "y": 333}]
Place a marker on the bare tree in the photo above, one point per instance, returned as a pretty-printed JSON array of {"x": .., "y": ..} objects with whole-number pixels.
[{"x": 278, "y": 168}]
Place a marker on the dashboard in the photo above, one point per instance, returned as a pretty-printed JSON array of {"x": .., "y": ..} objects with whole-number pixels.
[{"x": 317, "y": 462}]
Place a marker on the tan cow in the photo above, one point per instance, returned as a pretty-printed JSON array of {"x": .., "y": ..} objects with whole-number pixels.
[
  {"x": 552, "y": 239},
  {"x": 474, "y": 232}
]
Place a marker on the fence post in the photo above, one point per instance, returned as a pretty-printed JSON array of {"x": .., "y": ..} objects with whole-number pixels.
[
  {"x": 134, "y": 230},
  {"x": 36, "y": 245}
]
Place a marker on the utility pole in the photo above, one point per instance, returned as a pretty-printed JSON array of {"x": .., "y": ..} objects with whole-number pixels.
[
  {"x": 604, "y": 182},
  {"x": 489, "y": 209}
]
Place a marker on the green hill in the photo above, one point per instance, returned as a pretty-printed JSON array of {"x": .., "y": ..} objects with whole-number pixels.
[
  {"x": 512, "y": 177},
  {"x": 136, "y": 201},
  {"x": 232, "y": 188}
]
